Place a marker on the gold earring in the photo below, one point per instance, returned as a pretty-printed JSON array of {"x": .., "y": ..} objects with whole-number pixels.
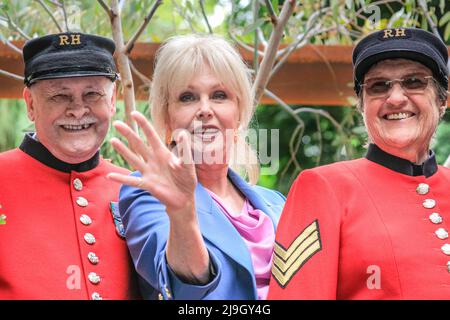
[{"x": 168, "y": 137}]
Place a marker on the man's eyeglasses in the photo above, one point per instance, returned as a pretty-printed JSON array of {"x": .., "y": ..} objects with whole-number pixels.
[{"x": 381, "y": 87}]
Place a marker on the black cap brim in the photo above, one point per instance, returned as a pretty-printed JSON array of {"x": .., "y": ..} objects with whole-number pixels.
[{"x": 111, "y": 76}]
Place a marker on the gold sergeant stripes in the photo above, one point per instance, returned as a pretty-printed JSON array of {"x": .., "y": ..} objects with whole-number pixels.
[{"x": 286, "y": 262}]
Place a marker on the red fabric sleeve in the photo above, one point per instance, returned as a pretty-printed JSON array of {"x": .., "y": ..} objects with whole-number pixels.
[{"x": 306, "y": 251}]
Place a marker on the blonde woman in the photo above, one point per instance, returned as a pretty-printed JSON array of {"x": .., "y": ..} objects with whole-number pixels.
[{"x": 195, "y": 228}]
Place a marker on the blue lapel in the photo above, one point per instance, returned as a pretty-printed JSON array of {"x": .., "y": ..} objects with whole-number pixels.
[{"x": 216, "y": 227}]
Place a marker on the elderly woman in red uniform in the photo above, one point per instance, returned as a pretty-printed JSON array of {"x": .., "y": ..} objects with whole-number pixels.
[{"x": 376, "y": 227}]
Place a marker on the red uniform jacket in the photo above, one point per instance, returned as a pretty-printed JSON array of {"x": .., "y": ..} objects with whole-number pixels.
[
  {"x": 58, "y": 239},
  {"x": 359, "y": 230}
]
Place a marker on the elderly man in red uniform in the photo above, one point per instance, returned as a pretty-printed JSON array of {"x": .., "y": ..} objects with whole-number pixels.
[
  {"x": 60, "y": 234},
  {"x": 376, "y": 227}
]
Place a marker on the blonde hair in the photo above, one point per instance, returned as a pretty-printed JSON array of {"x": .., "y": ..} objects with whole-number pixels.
[{"x": 179, "y": 59}]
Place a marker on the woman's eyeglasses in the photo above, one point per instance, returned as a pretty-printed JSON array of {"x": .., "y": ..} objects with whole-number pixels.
[{"x": 410, "y": 84}]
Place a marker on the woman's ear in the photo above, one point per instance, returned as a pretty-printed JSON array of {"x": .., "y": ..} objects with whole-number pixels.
[{"x": 442, "y": 109}]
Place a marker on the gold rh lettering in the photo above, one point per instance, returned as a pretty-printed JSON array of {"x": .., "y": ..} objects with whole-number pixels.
[
  {"x": 387, "y": 34},
  {"x": 63, "y": 40},
  {"x": 76, "y": 39},
  {"x": 400, "y": 33}
]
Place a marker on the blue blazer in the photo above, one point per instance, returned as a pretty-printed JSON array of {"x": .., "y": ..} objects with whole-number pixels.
[{"x": 147, "y": 228}]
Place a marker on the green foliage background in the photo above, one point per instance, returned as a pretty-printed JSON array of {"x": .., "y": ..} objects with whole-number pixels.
[{"x": 317, "y": 143}]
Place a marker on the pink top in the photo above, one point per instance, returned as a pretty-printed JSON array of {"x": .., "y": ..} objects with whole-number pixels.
[{"x": 257, "y": 230}]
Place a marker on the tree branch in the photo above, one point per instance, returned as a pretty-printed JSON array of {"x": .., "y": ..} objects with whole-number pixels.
[
  {"x": 319, "y": 133},
  {"x": 299, "y": 129},
  {"x": 56, "y": 3},
  {"x": 64, "y": 14},
  {"x": 376, "y": 3},
  {"x": 255, "y": 8},
  {"x": 273, "y": 16},
  {"x": 300, "y": 43},
  {"x": 106, "y": 8},
  {"x": 244, "y": 45},
  {"x": 11, "y": 75},
  {"x": 424, "y": 6},
  {"x": 293, "y": 46},
  {"x": 123, "y": 64},
  {"x": 321, "y": 112},
  {"x": 293, "y": 150},
  {"x": 47, "y": 9},
  {"x": 12, "y": 46},
  {"x": 140, "y": 75},
  {"x": 187, "y": 19},
  {"x": 147, "y": 19},
  {"x": 202, "y": 6},
  {"x": 284, "y": 106},
  {"x": 261, "y": 37},
  {"x": 310, "y": 25},
  {"x": 12, "y": 25},
  {"x": 262, "y": 78}
]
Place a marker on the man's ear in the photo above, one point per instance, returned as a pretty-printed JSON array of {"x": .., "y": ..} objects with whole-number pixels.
[
  {"x": 113, "y": 99},
  {"x": 27, "y": 96}
]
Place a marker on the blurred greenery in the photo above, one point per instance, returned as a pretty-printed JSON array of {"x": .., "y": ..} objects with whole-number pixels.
[
  {"x": 317, "y": 147},
  {"x": 441, "y": 143},
  {"x": 13, "y": 122},
  {"x": 318, "y": 141}
]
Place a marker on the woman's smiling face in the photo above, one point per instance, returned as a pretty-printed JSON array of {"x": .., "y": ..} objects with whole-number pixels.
[
  {"x": 398, "y": 122},
  {"x": 209, "y": 111}
]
